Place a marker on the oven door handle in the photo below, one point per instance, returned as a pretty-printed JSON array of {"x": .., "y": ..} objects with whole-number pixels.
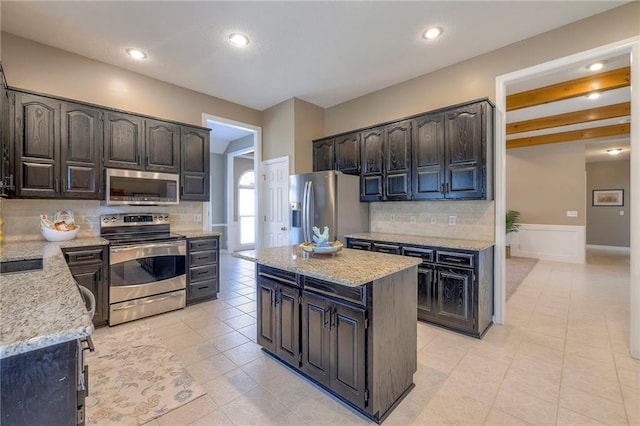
[
  {"x": 178, "y": 244},
  {"x": 133, "y": 305}
]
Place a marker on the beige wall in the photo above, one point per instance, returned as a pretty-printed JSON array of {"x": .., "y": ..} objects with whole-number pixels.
[
  {"x": 605, "y": 225},
  {"x": 309, "y": 125},
  {"x": 278, "y": 132},
  {"x": 40, "y": 68},
  {"x": 545, "y": 181},
  {"x": 475, "y": 78}
]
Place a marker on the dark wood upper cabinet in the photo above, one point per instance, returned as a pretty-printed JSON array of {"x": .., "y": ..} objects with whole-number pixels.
[
  {"x": 37, "y": 143},
  {"x": 123, "y": 141},
  {"x": 80, "y": 151},
  {"x": 162, "y": 146},
  {"x": 372, "y": 160},
  {"x": 194, "y": 169},
  {"x": 442, "y": 154},
  {"x": 323, "y": 155},
  {"x": 428, "y": 157},
  {"x": 347, "y": 153},
  {"x": 464, "y": 155},
  {"x": 397, "y": 161}
]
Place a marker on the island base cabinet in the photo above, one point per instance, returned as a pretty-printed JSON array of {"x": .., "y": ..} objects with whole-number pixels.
[
  {"x": 333, "y": 346},
  {"x": 357, "y": 342},
  {"x": 278, "y": 312}
]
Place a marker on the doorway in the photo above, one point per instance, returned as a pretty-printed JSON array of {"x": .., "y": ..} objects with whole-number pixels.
[
  {"x": 631, "y": 46},
  {"x": 232, "y": 143}
]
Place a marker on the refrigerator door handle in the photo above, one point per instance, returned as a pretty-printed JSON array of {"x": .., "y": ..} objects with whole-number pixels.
[
  {"x": 310, "y": 211},
  {"x": 305, "y": 210}
]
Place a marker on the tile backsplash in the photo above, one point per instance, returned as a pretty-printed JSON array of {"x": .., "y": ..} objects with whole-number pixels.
[
  {"x": 474, "y": 219},
  {"x": 22, "y": 217}
]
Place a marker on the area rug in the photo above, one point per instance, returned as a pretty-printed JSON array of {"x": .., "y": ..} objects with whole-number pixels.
[
  {"x": 133, "y": 379},
  {"x": 517, "y": 269}
]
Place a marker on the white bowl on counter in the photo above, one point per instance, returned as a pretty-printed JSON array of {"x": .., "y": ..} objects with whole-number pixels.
[{"x": 55, "y": 235}]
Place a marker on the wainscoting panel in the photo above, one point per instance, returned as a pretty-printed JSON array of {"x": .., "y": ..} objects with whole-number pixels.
[{"x": 562, "y": 243}]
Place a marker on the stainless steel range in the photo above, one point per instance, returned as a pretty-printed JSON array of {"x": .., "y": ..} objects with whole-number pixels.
[{"x": 146, "y": 265}]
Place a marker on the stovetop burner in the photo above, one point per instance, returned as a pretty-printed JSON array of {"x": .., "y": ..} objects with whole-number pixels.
[{"x": 134, "y": 228}]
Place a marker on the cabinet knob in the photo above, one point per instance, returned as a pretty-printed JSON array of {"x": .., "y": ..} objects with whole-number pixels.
[{"x": 284, "y": 228}]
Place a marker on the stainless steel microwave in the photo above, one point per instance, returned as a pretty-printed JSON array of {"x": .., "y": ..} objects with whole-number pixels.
[{"x": 138, "y": 188}]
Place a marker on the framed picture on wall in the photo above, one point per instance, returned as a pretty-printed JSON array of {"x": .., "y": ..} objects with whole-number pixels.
[{"x": 608, "y": 197}]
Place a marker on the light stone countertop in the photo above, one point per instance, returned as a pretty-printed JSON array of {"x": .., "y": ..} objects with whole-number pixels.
[
  {"x": 43, "y": 307},
  {"x": 423, "y": 241},
  {"x": 348, "y": 267},
  {"x": 199, "y": 234}
]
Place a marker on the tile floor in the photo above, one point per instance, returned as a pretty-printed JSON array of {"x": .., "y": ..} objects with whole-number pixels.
[{"x": 562, "y": 359}]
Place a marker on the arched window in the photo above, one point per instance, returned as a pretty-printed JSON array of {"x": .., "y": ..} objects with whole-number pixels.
[{"x": 246, "y": 207}]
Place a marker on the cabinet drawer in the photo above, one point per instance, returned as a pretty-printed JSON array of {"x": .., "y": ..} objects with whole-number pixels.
[
  {"x": 278, "y": 275},
  {"x": 386, "y": 248},
  {"x": 203, "y": 244},
  {"x": 203, "y": 288},
  {"x": 452, "y": 258},
  {"x": 203, "y": 257},
  {"x": 423, "y": 253},
  {"x": 200, "y": 273},
  {"x": 85, "y": 255},
  {"x": 359, "y": 244},
  {"x": 356, "y": 295}
]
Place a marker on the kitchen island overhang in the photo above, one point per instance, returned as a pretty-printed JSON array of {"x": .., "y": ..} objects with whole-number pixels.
[{"x": 347, "y": 321}]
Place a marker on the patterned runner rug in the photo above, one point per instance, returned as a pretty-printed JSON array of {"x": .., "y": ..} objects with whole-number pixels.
[{"x": 134, "y": 379}]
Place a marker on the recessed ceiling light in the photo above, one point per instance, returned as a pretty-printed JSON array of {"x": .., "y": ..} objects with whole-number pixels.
[
  {"x": 596, "y": 66},
  {"x": 593, "y": 95},
  {"x": 238, "y": 39},
  {"x": 136, "y": 54},
  {"x": 614, "y": 151},
  {"x": 433, "y": 32}
]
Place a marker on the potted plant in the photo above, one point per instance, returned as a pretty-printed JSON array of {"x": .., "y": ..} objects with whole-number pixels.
[{"x": 511, "y": 226}]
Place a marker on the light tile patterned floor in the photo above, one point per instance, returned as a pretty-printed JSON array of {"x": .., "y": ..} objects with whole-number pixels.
[{"x": 562, "y": 359}]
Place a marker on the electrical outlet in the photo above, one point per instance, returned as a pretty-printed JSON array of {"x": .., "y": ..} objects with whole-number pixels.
[
  {"x": 197, "y": 218},
  {"x": 433, "y": 220},
  {"x": 452, "y": 220},
  {"x": 621, "y": 212},
  {"x": 412, "y": 219},
  {"x": 392, "y": 217}
]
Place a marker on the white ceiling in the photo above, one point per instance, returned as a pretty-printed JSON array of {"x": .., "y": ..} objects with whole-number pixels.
[
  {"x": 222, "y": 134},
  {"x": 323, "y": 52}
]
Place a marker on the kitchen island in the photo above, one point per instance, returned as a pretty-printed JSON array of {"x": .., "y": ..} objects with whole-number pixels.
[
  {"x": 43, "y": 319},
  {"x": 345, "y": 321}
]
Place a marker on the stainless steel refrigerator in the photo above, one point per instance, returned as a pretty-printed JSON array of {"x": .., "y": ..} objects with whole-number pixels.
[{"x": 327, "y": 198}]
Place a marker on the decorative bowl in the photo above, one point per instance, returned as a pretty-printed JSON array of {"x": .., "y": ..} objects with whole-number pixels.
[
  {"x": 333, "y": 247},
  {"x": 55, "y": 235}
]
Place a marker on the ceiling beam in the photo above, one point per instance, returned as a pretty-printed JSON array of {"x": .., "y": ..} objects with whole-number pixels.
[
  {"x": 575, "y": 135},
  {"x": 576, "y": 117},
  {"x": 609, "y": 80}
]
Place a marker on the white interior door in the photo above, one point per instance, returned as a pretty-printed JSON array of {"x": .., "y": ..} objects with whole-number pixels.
[{"x": 275, "y": 199}]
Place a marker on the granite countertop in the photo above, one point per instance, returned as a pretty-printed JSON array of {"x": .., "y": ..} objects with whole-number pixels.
[
  {"x": 43, "y": 307},
  {"x": 198, "y": 234},
  {"x": 424, "y": 241},
  {"x": 348, "y": 267}
]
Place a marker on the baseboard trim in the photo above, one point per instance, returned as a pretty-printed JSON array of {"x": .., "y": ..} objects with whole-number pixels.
[{"x": 610, "y": 249}]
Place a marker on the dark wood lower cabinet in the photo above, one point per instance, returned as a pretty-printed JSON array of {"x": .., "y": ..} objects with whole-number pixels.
[
  {"x": 45, "y": 386},
  {"x": 89, "y": 268},
  {"x": 455, "y": 287},
  {"x": 359, "y": 343},
  {"x": 278, "y": 313},
  {"x": 203, "y": 281}
]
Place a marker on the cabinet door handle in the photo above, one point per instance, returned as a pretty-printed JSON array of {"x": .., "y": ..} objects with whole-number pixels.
[
  {"x": 334, "y": 317},
  {"x": 64, "y": 185},
  {"x": 147, "y": 161},
  {"x": 327, "y": 318}
]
